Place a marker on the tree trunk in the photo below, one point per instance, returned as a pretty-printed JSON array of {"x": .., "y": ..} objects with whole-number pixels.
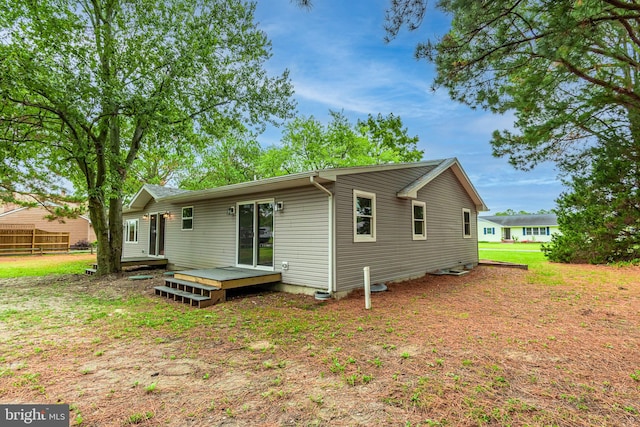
[
  {"x": 101, "y": 228},
  {"x": 115, "y": 233}
]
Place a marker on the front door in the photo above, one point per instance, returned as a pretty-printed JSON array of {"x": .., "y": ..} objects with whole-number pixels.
[
  {"x": 156, "y": 234},
  {"x": 506, "y": 233},
  {"x": 255, "y": 234}
]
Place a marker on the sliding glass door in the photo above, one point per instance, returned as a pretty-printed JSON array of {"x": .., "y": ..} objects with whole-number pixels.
[
  {"x": 255, "y": 234},
  {"x": 156, "y": 234}
]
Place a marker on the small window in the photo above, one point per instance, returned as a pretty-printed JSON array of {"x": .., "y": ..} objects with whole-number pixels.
[
  {"x": 364, "y": 216},
  {"x": 187, "y": 218},
  {"x": 131, "y": 231},
  {"x": 466, "y": 223},
  {"x": 489, "y": 230},
  {"x": 419, "y": 220}
]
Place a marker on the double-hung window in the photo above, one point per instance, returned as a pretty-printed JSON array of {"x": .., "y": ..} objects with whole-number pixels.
[
  {"x": 419, "y": 218},
  {"x": 364, "y": 216},
  {"x": 187, "y": 218},
  {"x": 466, "y": 223},
  {"x": 131, "y": 231}
]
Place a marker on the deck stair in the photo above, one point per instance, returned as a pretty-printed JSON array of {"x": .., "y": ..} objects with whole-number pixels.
[
  {"x": 192, "y": 293},
  {"x": 202, "y": 288}
]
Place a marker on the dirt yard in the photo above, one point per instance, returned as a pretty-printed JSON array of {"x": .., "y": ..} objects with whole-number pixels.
[{"x": 495, "y": 347}]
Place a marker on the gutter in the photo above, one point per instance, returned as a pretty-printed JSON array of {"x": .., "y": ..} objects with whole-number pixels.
[{"x": 330, "y": 264}]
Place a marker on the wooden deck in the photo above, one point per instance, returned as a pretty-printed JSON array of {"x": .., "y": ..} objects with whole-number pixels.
[
  {"x": 130, "y": 262},
  {"x": 202, "y": 288},
  {"x": 228, "y": 277}
]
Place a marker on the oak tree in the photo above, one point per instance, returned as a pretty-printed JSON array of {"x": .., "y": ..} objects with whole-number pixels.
[{"x": 86, "y": 86}]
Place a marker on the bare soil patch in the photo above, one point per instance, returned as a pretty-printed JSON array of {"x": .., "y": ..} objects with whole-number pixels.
[
  {"x": 58, "y": 258},
  {"x": 494, "y": 347}
]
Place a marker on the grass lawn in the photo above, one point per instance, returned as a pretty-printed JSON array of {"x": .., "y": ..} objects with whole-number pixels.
[
  {"x": 42, "y": 265},
  {"x": 558, "y": 345},
  {"x": 509, "y": 246},
  {"x": 520, "y": 253}
]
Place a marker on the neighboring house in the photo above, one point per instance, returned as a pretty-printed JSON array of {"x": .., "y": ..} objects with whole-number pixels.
[
  {"x": 318, "y": 229},
  {"x": 79, "y": 229},
  {"x": 536, "y": 228}
]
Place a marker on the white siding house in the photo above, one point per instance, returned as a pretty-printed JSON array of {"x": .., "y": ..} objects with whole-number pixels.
[{"x": 520, "y": 228}]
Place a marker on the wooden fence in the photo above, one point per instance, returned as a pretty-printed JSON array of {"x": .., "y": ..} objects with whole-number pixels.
[{"x": 26, "y": 238}]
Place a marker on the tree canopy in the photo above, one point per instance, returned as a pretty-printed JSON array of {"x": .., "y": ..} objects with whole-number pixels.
[
  {"x": 87, "y": 87},
  {"x": 307, "y": 144},
  {"x": 568, "y": 69}
]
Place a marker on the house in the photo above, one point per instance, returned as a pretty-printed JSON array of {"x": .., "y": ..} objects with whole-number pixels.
[
  {"x": 318, "y": 229},
  {"x": 80, "y": 229},
  {"x": 537, "y": 228}
]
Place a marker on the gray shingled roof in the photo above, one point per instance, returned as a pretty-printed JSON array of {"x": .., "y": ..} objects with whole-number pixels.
[
  {"x": 160, "y": 192},
  {"x": 523, "y": 220}
]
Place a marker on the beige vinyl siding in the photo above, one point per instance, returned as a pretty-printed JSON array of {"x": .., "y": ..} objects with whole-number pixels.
[
  {"x": 302, "y": 237},
  {"x": 210, "y": 243},
  {"x": 395, "y": 255},
  {"x": 300, "y": 234},
  {"x": 78, "y": 228}
]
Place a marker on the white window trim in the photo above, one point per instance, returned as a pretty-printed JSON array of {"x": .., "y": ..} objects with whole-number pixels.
[
  {"x": 186, "y": 217},
  {"x": 361, "y": 237},
  {"x": 126, "y": 230},
  {"x": 464, "y": 235},
  {"x": 422, "y": 236}
]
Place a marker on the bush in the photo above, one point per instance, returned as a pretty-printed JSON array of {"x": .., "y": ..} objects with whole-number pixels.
[{"x": 81, "y": 245}]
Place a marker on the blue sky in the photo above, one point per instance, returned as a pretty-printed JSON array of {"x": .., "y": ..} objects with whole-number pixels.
[{"x": 338, "y": 60}]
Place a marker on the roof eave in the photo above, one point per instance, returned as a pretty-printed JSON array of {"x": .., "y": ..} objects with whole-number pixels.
[
  {"x": 250, "y": 187},
  {"x": 411, "y": 191}
]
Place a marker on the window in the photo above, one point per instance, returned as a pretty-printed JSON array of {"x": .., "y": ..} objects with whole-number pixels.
[
  {"x": 419, "y": 220},
  {"x": 466, "y": 223},
  {"x": 187, "y": 218},
  {"x": 489, "y": 230},
  {"x": 535, "y": 231},
  {"x": 364, "y": 216},
  {"x": 131, "y": 231}
]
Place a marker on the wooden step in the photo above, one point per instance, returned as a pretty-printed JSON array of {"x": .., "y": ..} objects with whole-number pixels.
[
  {"x": 194, "y": 300},
  {"x": 185, "y": 285}
]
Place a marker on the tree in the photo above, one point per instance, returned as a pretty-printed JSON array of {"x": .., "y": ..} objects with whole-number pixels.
[
  {"x": 307, "y": 144},
  {"x": 231, "y": 160},
  {"x": 568, "y": 69},
  {"x": 598, "y": 216},
  {"x": 86, "y": 87}
]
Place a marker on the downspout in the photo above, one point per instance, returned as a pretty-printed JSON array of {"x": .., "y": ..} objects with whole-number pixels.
[{"x": 330, "y": 243}]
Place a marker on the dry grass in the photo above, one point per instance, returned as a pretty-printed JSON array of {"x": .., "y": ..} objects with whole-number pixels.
[{"x": 495, "y": 347}]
